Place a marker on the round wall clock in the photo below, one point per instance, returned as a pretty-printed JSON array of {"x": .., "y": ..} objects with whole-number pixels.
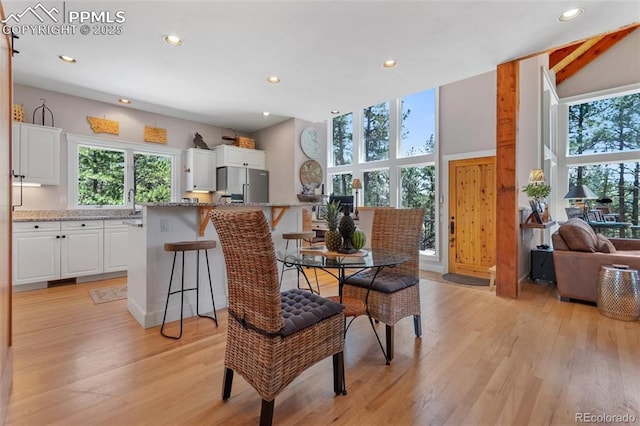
[
  {"x": 311, "y": 173},
  {"x": 310, "y": 142}
]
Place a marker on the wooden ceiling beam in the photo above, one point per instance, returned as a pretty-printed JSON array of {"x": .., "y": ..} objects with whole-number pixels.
[{"x": 579, "y": 55}]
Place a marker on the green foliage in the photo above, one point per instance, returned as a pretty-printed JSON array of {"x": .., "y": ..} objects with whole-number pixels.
[
  {"x": 100, "y": 177},
  {"x": 537, "y": 191},
  {"x": 343, "y": 139},
  {"x": 153, "y": 178},
  {"x": 376, "y": 132},
  {"x": 333, "y": 211}
]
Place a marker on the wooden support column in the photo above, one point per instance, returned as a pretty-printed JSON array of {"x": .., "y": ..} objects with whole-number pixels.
[{"x": 507, "y": 227}]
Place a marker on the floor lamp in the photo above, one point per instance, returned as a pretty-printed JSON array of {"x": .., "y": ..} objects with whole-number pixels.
[{"x": 356, "y": 184}]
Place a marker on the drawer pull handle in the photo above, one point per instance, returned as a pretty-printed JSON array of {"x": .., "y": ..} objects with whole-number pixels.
[
  {"x": 36, "y": 226},
  {"x": 64, "y": 236},
  {"x": 58, "y": 236},
  {"x": 83, "y": 225}
]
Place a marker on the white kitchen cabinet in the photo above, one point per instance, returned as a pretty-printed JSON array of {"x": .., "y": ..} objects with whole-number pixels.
[
  {"x": 81, "y": 248},
  {"x": 201, "y": 170},
  {"x": 45, "y": 251},
  {"x": 36, "y": 153},
  {"x": 36, "y": 252},
  {"x": 234, "y": 156},
  {"x": 116, "y": 247}
]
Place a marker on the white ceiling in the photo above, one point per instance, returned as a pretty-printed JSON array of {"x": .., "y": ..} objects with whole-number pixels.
[{"x": 327, "y": 53}]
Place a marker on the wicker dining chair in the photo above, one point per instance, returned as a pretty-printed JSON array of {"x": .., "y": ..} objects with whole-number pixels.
[
  {"x": 395, "y": 292},
  {"x": 272, "y": 337}
]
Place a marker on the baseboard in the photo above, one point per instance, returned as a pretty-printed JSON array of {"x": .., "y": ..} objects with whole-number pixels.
[
  {"x": 6, "y": 381},
  {"x": 100, "y": 277},
  {"x": 28, "y": 287}
]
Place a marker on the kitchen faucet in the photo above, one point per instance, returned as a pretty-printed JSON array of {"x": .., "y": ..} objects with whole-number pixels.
[{"x": 132, "y": 198}]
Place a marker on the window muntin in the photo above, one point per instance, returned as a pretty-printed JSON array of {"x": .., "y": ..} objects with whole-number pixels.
[
  {"x": 375, "y": 132},
  {"x": 375, "y": 188},
  {"x": 418, "y": 124},
  {"x": 101, "y": 176},
  {"x": 342, "y": 145},
  {"x": 418, "y": 190}
]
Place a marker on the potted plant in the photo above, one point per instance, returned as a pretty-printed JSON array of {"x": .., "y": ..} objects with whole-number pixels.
[
  {"x": 332, "y": 238},
  {"x": 538, "y": 192}
]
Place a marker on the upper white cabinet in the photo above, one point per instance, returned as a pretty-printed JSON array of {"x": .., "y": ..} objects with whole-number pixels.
[
  {"x": 234, "y": 156},
  {"x": 36, "y": 153},
  {"x": 201, "y": 170}
]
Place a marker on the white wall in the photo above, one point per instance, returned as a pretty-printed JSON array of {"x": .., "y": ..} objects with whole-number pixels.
[
  {"x": 70, "y": 113},
  {"x": 619, "y": 66},
  {"x": 467, "y": 120},
  {"x": 284, "y": 157}
]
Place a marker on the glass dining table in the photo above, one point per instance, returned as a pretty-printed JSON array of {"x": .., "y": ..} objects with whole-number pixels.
[{"x": 342, "y": 267}]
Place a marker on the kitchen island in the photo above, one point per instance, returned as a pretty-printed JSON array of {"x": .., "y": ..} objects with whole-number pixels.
[{"x": 150, "y": 266}]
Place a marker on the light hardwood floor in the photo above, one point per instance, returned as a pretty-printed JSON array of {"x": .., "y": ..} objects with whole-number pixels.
[{"x": 482, "y": 360}]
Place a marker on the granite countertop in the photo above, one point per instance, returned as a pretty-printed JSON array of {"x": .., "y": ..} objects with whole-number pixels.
[{"x": 69, "y": 215}]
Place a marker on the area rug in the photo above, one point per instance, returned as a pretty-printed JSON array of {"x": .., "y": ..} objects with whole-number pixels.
[
  {"x": 108, "y": 294},
  {"x": 465, "y": 279}
]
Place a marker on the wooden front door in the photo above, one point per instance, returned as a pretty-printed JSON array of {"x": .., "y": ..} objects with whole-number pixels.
[{"x": 472, "y": 216}]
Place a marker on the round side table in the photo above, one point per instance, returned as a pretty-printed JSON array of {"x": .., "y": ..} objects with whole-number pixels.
[{"x": 619, "y": 292}]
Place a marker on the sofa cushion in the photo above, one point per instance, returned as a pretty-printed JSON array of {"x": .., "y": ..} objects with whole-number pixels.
[
  {"x": 385, "y": 282},
  {"x": 604, "y": 245},
  {"x": 579, "y": 236}
]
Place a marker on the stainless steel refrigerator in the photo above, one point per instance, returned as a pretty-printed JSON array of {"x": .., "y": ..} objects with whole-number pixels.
[{"x": 243, "y": 185}]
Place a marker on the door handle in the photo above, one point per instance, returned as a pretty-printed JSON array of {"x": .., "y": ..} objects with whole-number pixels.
[{"x": 452, "y": 227}]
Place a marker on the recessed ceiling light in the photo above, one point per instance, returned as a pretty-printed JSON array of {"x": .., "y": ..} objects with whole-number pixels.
[
  {"x": 571, "y": 14},
  {"x": 335, "y": 111},
  {"x": 67, "y": 59},
  {"x": 390, "y": 63},
  {"x": 124, "y": 101},
  {"x": 173, "y": 40},
  {"x": 266, "y": 113},
  {"x": 273, "y": 79}
]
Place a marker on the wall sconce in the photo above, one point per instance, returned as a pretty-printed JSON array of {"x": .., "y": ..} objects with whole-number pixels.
[{"x": 356, "y": 184}]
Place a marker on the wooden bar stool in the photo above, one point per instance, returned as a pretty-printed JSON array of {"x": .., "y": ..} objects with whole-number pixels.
[
  {"x": 299, "y": 238},
  {"x": 184, "y": 246}
]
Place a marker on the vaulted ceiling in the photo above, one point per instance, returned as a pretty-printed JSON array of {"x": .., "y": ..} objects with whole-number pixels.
[{"x": 328, "y": 54}]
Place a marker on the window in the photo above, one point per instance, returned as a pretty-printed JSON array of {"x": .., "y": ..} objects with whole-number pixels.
[
  {"x": 341, "y": 184},
  {"x": 152, "y": 177},
  {"x": 101, "y": 177},
  {"x": 418, "y": 189},
  {"x": 418, "y": 124},
  {"x": 343, "y": 139},
  {"x": 391, "y": 147},
  {"x": 603, "y": 153},
  {"x": 376, "y": 132},
  {"x": 375, "y": 188},
  {"x": 102, "y": 173}
]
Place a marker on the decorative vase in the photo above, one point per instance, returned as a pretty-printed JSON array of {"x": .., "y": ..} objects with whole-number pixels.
[{"x": 347, "y": 228}]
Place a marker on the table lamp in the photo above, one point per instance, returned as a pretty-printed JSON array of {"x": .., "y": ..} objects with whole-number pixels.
[
  {"x": 579, "y": 193},
  {"x": 356, "y": 184}
]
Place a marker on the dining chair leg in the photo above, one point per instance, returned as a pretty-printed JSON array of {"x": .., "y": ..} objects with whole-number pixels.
[
  {"x": 339, "y": 383},
  {"x": 266, "y": 413},
  {"x": 227, "y": 381},
  {"x": 389, "y": 340},
  {"x": 417, "y": 325}
]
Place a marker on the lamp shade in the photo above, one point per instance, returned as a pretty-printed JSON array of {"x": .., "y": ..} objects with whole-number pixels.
[
  {"x": 580, "y": 192},
  {"x": 536, "y": 176},
  {"x": 356, "y": 184}
]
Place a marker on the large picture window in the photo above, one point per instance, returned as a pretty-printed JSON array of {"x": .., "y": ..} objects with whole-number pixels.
[
  {"x": 418, "y": 124},
  {"x": 375, "y": 132},
  {"x": 603, "y": 150}
]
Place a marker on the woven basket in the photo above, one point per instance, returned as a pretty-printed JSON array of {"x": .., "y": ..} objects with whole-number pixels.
[
  {"x": 18, "y": 113},
  {"x": 244, "y": 142}
]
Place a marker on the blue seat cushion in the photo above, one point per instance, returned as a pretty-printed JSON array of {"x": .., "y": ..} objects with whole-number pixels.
[
  {"x": 385, "y": 282},
  {"x": 302, "y": 309}
]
